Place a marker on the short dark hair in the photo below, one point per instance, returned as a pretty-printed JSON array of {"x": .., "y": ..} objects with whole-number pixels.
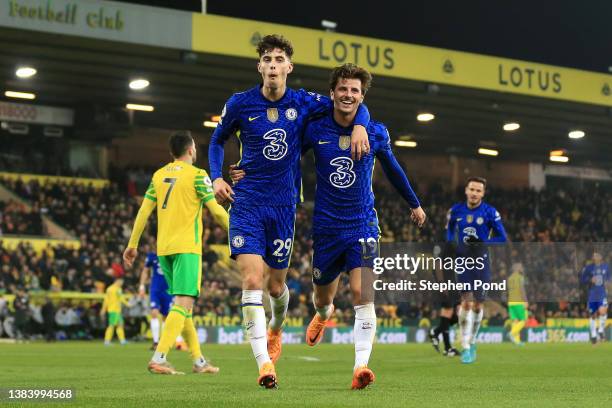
[
  {"x": 179, "y": 142},
  {"x": 272, "y": 41},
  {"x": 481, "y": 180},
  {"x": 350, "y": 71}
]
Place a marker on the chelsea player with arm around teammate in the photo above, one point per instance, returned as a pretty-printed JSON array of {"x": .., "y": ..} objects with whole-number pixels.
[
  {"x": 270, "y": 119},
  {"x": 345, "y": 225},
  {"x": 470, "y": 224}
]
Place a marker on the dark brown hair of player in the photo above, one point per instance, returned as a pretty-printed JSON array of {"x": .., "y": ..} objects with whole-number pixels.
[
  {"x": 179, "y": 142},
  {"x": 272, "y": 41},
  {"x": 481, "y": 180},
  {"x": 350, "y": 71}
]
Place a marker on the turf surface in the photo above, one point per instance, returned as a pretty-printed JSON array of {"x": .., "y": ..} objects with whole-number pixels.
[{"x": 538, "y": 375}]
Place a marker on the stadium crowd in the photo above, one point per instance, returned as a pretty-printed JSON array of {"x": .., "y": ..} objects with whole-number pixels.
[{"x": 101, "y": 219}]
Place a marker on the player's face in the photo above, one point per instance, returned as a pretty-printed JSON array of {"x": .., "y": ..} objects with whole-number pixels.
[
  {"x": 347, "y": 95},
  {"x": 597, "y": 258},
  {"x": 474, "y": 192},
  {"x": 274, "y": 66}
]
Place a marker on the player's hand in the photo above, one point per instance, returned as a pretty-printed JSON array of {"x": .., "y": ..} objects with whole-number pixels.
[
  {"x": 129, "y": 255},
  {"x": 418, "y": 216},
  {"x": 471, "y": 239},
  {"x": 235, "y": 173},
  {"x": 360, "y": 145},
  {"x": 223, "y": 191}
]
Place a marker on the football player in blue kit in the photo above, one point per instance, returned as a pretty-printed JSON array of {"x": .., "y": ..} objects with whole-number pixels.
[
  {"x": 160, "y": 300},
  {"x": 345, "y": 224},
  {"x": 270, "y": 119},
  {"x": 471, "y": 225},
  {"x": 596, "y": 275}
]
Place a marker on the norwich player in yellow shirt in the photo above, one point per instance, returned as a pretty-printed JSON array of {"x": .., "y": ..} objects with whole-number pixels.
[
  {"x": 517, "y": 302},
  {"x": 112, "y": 306},
  {"x": 178, "y": 191}
]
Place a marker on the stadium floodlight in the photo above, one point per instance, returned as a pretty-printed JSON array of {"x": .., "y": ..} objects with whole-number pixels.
[
  {"x": 139, "y": 84},
  {"x": 210, "y": 124},
  {"x": 19, "y": 95},
  {"x": 25, "y": 72},
  {"x": 144, "y": 108},
  {"x": 425, "y": 117},
  {"x": 511, "y": 126},
  {"x": 406, "y": 143},
  {"x": 488, "y": 152},
  {"x": 559, "y": 152},
  {"x": 215, "y": 118},
  {"x": 559, "y": 159},
  {"x": 576, "y": 134},
  {"x": 329, "y": 25}
]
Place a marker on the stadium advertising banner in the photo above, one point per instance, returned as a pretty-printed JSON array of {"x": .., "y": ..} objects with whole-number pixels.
[
  {"x": 106, "y": 20},
  {"x": 398, "y": 335},
  {"x": 327, "y": 49},
  {"x": 45, "y": 115}
]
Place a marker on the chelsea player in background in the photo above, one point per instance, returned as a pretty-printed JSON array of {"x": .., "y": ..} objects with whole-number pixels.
[
  {"x": 270, "y": 119},
  {"x": 596, "y": 275},
  {"x": 345, "y": 224},
  {"x": 470, "y": 224}
]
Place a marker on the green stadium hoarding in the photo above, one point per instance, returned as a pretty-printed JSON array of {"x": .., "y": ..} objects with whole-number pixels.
[{"x": 104, "y": 20}]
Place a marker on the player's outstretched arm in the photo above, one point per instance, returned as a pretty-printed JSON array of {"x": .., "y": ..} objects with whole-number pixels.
[
  {"x": 218, "y": 213},
  {"x": 146, "y": 208},
  {"x": 144, "y": 276},
  {"x": 227, "y": 126},
  {"x": 395, "y": 174}
]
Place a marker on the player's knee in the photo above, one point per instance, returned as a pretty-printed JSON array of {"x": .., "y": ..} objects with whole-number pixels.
[{"x": 252, "y": 281}]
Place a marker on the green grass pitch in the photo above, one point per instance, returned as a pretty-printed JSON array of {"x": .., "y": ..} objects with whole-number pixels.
[{"x": 538, "y": 375}]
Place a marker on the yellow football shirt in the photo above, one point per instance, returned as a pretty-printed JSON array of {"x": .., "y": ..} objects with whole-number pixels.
[
  {"x": 113, "y": 299},
  {"x": 179, "y": 191},
  {"x": 516, "y": 286}
]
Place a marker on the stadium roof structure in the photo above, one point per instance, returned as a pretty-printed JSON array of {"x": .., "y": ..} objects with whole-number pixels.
[{"x": 189, "y": 86}]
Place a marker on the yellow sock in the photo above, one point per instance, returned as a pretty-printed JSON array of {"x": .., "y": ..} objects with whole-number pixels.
[
  {"x": 516, "y": 330},
  {"x": 121, "y": 333},
  {"x": 190, "y": 335},
  {"x": 108, "y": 335},
  {"x": 172, "y": 328}
]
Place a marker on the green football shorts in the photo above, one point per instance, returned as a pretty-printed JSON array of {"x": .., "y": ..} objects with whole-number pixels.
[
  {"x": 183, "y": 273},
  {"x": 115, "y": 318},
  {"x": 517, "y": 312}
]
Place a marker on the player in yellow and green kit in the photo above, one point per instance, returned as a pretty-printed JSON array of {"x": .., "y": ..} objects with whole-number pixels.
[
  {"x": 178, "y": 191},
  {"x": 112, "y": 307},
  {"x": 517, "y": 303}
]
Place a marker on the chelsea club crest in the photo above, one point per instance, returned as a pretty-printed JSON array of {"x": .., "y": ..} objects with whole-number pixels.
[{"x": 291, "y": 114}]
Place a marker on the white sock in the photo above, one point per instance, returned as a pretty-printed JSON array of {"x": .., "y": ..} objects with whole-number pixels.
[
  {"x": 593, "y": 327},
  {"x": 200, "y": 361},
  {"x": 254, "y": 321},
  {"x": 476, "y": 325},
  {"x": 324, "y": 312},
  {"x": 279, "y": 308},
  {"x": 602, "y": 323},
  {"x": 179, "y": 339},
  {"x": 155, "y": 329},
  {"x": 466, "y": 329},
  {"x": 364, "y": 332},
  {"x": 159, "y": 358}
]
